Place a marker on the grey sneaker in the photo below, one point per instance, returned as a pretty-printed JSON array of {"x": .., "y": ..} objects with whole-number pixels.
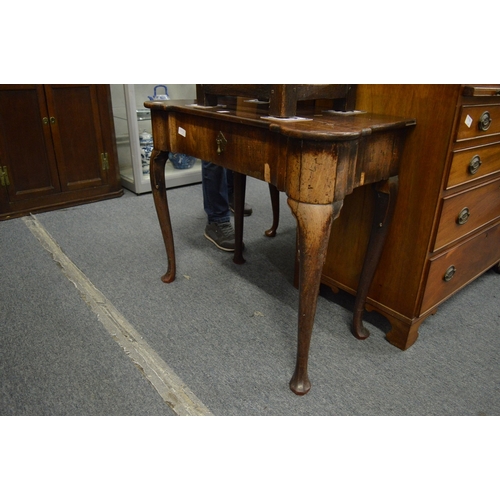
[{"x": 221, "y": 235}]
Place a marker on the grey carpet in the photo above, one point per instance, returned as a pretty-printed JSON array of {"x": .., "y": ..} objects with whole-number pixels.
[
  {"x": 228, "y": 331},
  {"x": 56, "y": 358}
]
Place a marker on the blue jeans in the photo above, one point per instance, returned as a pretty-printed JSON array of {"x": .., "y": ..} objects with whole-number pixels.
[{"x": 217, "y": 184}]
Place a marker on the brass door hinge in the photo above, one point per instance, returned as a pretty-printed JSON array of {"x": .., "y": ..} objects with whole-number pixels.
[
  {"x": 4, "y": 177},
  {"x": 104, "y": 161}
]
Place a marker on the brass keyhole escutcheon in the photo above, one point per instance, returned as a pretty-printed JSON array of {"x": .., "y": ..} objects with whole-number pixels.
[
  {"x": 463, "y": 216},
  {"x": 221, "y": 143},
  {"x": 450, "y": 272}
]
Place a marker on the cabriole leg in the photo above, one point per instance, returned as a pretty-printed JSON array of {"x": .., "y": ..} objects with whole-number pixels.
[
  {"x": 386, "y": 193},
  {"x": 314, "y": 223},
  {"x": 159, "y": 189},
  {"x": 275, "y": 204}
]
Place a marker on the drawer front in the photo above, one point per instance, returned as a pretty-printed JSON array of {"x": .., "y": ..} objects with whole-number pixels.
[
  {"x": 227, "y": 144},
  {"x": 474, "y": 163},
  {"x": 460, "y": 265},
  {"x": 478, "y": 121},
  {"x": 468, "y": 211}
]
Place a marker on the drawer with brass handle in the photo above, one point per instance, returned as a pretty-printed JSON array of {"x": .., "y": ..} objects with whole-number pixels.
[
  {"x": 478, "y": 121},
  {"x": 463, "y": 263},
  {"x": 467, "y": 211},
  {"x": 474, "y": 163}
]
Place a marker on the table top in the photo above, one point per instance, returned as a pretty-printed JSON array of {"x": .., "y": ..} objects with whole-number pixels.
[{"x": 325, "y": 125}]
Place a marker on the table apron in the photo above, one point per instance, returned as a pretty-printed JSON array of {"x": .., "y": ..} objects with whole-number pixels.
[{"x": 317, "y": 172}]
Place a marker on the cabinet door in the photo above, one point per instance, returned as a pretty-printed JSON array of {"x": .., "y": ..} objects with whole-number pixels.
[
  {"x": 77, "y": 136},
  {"x": 26, "y": 151}
]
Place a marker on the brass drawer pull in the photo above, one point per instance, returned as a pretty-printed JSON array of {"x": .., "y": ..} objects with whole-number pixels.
[
  {"x": 450, "y": 272},
  {"x": 474, "y": 164},
  {"x": 463, "y": 216},
  {"x": 485, "y": 121}
]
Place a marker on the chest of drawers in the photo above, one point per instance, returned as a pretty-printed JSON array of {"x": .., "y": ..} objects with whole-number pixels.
[{"x": 446, "y": 229}]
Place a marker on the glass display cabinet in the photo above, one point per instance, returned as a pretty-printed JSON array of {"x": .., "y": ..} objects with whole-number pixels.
[{"x": 133, "y": 135}]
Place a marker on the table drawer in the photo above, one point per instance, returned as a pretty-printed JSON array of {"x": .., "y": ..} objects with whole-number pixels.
[
  {"x": 478, "y": 121},
  {"x": 454, "y": 269},
  {"x": 227, "y": 144},
  {"x": 474, "y": 163},
  {"x": 463, "y": 213}
]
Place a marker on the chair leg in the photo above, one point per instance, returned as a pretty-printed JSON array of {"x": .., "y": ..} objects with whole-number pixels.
[{"x": 275, "y": 203}]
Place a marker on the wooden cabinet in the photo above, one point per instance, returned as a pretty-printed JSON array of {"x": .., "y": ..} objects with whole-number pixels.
[
  {"x": 57, "y": 147},
  {"x": 446, "y": 228}
]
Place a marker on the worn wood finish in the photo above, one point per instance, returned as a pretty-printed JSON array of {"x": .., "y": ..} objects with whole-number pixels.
[
  {"x": 317, "y": 163},
  {"x": 313, "y": 229},
  {"x": 282, "y": 100},
  {"x": 51, "y": 141},
  {"x": 434, "y": 180}
]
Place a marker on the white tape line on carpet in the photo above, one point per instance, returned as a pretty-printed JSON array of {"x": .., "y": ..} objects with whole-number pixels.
[{"x": 170, "y": 387}]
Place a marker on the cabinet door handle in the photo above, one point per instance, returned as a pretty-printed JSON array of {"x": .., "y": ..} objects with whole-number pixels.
[
  {"x": 4, "y": 177},
  {"x": 52, "y": 120},
  {"x": 474, "y": 164},
  {"x": 45, "y": 120}
]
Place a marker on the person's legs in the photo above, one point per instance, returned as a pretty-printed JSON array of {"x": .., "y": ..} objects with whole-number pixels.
[
  {"x": 215, "y": 202},
  {"x": 215, "y": 192},
  {"x": 218, "y": 194}
]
